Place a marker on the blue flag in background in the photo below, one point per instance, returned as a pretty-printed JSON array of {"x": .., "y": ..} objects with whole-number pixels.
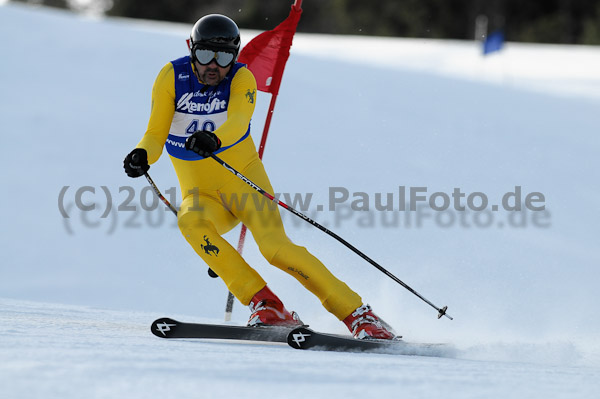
[{"x": 493, "y": 42}]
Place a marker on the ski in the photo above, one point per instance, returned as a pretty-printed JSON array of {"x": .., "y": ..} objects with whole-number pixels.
[
  {"x": 169, "y": 328},
  {"x": 305, "y": 338}
]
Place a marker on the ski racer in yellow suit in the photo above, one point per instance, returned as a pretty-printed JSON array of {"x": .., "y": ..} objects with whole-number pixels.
[{"x": 202, "y": 104}]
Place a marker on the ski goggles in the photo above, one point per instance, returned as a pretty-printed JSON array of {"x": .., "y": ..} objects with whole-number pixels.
[{"x": 205, "y": 56}]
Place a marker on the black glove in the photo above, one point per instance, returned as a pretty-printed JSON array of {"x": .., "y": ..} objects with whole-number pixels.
[
  {"x": 136, "y": 163},
  {"x": 203, "y": 143}
]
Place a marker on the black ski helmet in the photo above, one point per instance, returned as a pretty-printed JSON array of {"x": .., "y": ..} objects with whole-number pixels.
[{"x": 217, "y": 32}]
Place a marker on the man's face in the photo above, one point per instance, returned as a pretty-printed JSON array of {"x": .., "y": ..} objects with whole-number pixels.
[{"x": 211, "y": 74}]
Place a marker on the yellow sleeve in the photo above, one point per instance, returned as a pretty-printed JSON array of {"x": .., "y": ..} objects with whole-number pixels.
[
  {"x": 242, "y": 100},
  {"x": 161, "y": 114}
]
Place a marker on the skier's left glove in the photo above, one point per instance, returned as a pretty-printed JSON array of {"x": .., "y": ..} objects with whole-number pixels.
[{"x": 203, "y": 143}]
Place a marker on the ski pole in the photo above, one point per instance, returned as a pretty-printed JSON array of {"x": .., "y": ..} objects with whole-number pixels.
[
  {"x": 211, "y": 273},
  {"x": 159, "y": 194},
  {"x": 441, "y": 311}
]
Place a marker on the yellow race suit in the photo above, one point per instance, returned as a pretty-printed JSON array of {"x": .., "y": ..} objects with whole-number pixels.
[{"x": 214, "y": 200}]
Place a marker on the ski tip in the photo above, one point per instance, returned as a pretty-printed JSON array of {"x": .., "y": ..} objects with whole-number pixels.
[
  {"x": 164, "y": 327},
  {"x": 298, "y": 338}
]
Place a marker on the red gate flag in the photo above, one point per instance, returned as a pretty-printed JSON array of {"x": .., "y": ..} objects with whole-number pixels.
[{"x": 268, "y": 52}]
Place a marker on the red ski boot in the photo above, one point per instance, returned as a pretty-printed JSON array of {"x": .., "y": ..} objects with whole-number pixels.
[
  {"x": 268, "y": 310},
  {"x": 364, "y": 324}
]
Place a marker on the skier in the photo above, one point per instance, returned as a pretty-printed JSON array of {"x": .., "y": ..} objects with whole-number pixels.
[{"x": 202, "y": 104}]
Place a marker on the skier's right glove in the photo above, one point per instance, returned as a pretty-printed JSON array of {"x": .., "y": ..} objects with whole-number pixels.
[{"x": 136, "y": 163}]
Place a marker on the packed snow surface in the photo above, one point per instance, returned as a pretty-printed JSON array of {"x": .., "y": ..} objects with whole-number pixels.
[{"x": 358, "y": 116}]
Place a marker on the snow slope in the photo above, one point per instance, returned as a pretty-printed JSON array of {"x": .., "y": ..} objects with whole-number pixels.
[
  {"x": 366, "y": 114},
  {"x": 58, "y": 351}
]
